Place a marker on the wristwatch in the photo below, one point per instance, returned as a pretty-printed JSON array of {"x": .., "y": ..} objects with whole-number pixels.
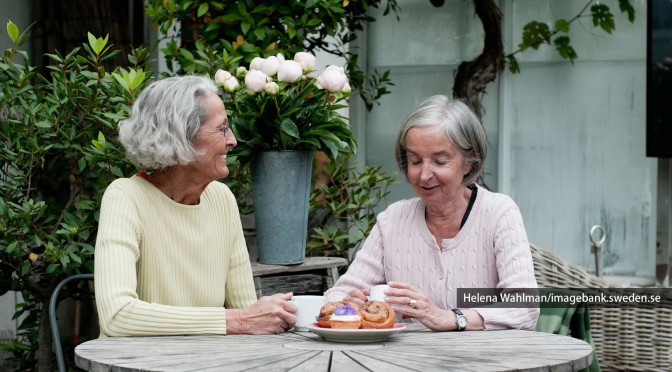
[{"x": 461, "y": 320}]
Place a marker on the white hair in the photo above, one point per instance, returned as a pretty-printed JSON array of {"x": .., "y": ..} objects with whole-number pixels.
[{"x": 165, "y": 120}]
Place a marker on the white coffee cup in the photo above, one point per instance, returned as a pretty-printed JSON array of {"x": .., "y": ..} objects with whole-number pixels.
[
  {"x": 308, "y": 309},
  {"x": 376, "y": 293}
]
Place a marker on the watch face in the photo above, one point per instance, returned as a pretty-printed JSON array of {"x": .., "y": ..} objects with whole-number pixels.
[{"x": 462, "y": 321}]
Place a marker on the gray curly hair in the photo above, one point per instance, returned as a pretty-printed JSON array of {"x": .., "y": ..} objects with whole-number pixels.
[{"x": 165, "y": 120}]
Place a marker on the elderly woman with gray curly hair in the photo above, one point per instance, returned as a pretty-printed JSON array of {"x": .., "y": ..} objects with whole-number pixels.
[
  {"x": 454, "y": 234},
  {"x": 170, "y": 256}
]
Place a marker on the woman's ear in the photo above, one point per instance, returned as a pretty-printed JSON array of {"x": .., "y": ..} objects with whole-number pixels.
[{"x": 468, "y": 165}]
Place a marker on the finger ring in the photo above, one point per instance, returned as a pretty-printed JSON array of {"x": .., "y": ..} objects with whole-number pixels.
[{"x": 413, "y": 303}]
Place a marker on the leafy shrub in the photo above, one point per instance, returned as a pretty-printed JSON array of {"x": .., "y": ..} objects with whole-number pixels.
[
  {"x": 343, "y": 209},
  {"x": 57, "y": 154}
]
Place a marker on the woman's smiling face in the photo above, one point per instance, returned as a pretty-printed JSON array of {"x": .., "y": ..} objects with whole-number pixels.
[
  {"x": 435, "y": 165},
  {"x": 214, "y": 140}
]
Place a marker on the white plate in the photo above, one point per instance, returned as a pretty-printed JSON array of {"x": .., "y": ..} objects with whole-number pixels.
[{"x": 355, "y": 335}]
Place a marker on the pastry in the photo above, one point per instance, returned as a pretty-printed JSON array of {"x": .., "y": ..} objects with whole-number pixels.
[
  {"x": 346, "y": 317},
  {"x": 325, "y": 312},
  {"x": 377, "y": 315}
]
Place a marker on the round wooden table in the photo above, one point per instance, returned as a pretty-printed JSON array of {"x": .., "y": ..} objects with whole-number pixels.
[{"x": 415, "y": 348}]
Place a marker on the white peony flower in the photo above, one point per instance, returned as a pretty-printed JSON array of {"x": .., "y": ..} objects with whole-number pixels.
[
  {"x": 221, "y": 76},
  {"x": 231, "y": 84},
  {"x": 241, "y": 71},
  {"x": 271, "y": 88},
  {"x": 255, "y": 80},
  {"x": 332, "y": 79},
  {"x": 290, "y": 71},
  {"x": 306, "y": 60},
  {"x": 256, "y": 63},
  {"x": 270, "y": 66}
]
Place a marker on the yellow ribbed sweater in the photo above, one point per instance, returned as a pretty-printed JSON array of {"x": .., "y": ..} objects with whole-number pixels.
[{"x": 164, "y": 268}]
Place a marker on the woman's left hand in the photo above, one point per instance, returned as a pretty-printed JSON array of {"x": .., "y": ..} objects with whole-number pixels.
[{"x": 411, "y": 303}]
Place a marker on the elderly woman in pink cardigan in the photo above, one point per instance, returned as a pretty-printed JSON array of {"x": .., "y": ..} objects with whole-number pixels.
[{"x": 454, "y": 234}]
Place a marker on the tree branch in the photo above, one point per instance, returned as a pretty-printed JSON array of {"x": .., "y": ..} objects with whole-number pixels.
[{"x": 473, "y": 76}]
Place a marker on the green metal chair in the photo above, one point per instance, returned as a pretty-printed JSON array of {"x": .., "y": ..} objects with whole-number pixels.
[{"x": 53, "y": 302}]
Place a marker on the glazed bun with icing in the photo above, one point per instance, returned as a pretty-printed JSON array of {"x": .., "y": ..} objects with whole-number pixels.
[
  {"x": 324, "y": 319},
  {"x": 346, "y": 317}
]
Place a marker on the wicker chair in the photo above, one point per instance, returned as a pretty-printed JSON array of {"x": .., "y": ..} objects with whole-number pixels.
[{"x": 626, "y": 339}]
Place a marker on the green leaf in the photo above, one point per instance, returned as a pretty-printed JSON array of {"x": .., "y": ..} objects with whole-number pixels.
[
  {"x": 562, "y": 25},
  {"x": 52, "y": 268},
  {"x": 202, "y": 9},
  {"x": 85, "y": 205},
  {"x": 65, "y": 260},
  {"x": 241, "y": 8},
  {"x": 117, "y": 172},
  {"x": 11, "y": 247},
  {"x": 245, "y": 26},
  {"x": 310, "y": 4},
  {"x": 137, "y": 77},
  {"x": 534, "y": 34},
  {"x": 74, "y": 257},
  {"x": 212, "y": 26},
  {"x": 514, "y": 68},
  {"x": 43, "y": 124},
  {"x": 92, "y": 41},
  {"x": 231, "y": 18},
  {"x": 187, "y": 54},
  {"x": 25, "y": 268},
  {"x": 81, "y": 163},
  {"x": 626, "y": 7},
  {"x": 564, "y": 49},
  {"x": 12, "y": 31},
  {"x": 98, "y": 145},
  {"x": 259, "y": 33},
  {"x": 289, "y": 127},
  {"x": 602, "y": 17},
  {"x": 120, "y": 79}
]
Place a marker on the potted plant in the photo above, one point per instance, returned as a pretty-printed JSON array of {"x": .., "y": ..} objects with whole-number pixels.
[{"x": 280, "y": 114}]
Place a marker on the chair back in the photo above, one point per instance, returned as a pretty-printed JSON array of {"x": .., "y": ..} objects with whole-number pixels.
[
  {"x": 53, "y": 321},
  {"x": 626, "y": 339}
]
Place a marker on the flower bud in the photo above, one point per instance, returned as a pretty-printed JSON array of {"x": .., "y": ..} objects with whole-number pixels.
[
  {"x": 346, "y": 89},
  {"x": 231, "y": 85},
  {"x": 280, "y": 57},
  {"x": 332, "y": 79},
  {"x": 271, "y": 88},
  {"x": 256, "y": 63},
  {"x": 255, "y": 80},
  {"x": 221, "y": 76},
  {"x": 306, "y": 60},
  {"x": 289, "y": 71},
  {"x": 241, "y": 71},
  {"x": 270, "y": 66}
]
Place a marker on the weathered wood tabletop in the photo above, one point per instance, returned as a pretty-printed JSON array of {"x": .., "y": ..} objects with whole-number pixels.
[{"x": 415, "y": 349}]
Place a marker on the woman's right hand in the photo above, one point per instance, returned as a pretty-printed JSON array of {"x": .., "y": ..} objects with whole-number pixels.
[
  {"x": 357, "y": 296},
  {"x": 269, "y": 315}
]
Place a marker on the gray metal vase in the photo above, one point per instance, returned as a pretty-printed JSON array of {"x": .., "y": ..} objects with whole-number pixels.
[{"x": 281, "y": 182}]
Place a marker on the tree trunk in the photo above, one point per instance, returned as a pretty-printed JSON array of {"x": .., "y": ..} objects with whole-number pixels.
[
  {"x": 44, "y": 354},
  {"x": 473, "y": 76}
]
